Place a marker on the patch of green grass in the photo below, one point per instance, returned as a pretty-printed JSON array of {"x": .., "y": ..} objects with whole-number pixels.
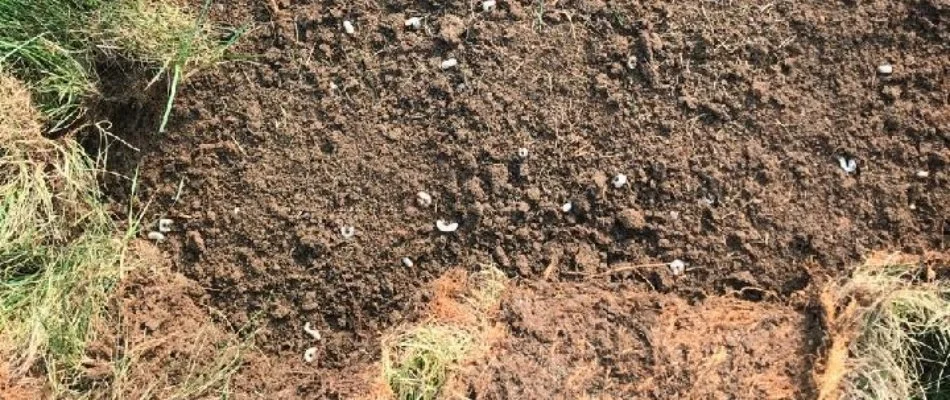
[
  {"x": 53, "y": 45},
  {"x": 44, "y": 42},
  {"x": 901, "y": 345},
  {"x": 416, "y": 364}
]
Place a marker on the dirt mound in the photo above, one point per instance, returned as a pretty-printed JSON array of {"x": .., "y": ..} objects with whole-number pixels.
[
  {"x": 570, "y": 341},
  {"x": 731, "y": 120}
]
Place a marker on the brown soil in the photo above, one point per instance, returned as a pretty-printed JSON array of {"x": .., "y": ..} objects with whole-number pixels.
[
  {"x": 728, "y": 118},
  {"x": 574, "y": 341}
]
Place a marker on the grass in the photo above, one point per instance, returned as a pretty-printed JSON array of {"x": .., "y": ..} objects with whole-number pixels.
[
  {"x": 54, "y": 46},
  {"x": 164, "y": 37},
  {"x": 59, "y": 257},
  {"x": 418, "y": 361},
  {"x": 891, "y": 334},
  {"x": 44, "y": 42}
]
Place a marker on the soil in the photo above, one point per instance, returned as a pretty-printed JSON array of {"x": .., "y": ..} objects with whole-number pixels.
[
  {"x": 728, "y": 118},
  {"x": 572, "y": 341}
]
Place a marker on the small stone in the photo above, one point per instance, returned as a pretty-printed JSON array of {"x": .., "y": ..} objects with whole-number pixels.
[
  {"x": 632, "y": 219},
  {"x": 885, "y": 69},
  {"x": 348, "y": 27},
  {"x": 156, "y": 236},
  {"x": 406, "y": 261},
  {"x": 567, "y": 207},
  {"x": 923, "y": 174}
]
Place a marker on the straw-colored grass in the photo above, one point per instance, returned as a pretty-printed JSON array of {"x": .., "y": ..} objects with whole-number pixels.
[{"x": 890, "y": 330}]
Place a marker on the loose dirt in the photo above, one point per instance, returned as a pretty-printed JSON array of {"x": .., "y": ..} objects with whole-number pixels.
[{"x": 729, "y": 119}]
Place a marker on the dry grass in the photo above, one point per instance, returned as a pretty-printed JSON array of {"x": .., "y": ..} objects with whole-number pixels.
[
  {"x": 160, "y": 34},
  {"x": 417, "y": 361},
  {"x": 890, "y": 330},
  {"x": 59, "y": 258}
]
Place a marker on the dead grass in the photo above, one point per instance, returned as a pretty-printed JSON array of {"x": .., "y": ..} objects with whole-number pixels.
[
  {"x": 890, "y": 333},
  {"x": 418, "y": 361}
]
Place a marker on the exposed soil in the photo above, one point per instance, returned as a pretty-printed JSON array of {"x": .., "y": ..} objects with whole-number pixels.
[
  {"x": 574, "y": 341},
  {"x": 727, "y": 117}
]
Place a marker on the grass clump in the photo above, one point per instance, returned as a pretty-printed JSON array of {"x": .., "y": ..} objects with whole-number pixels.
[
  {"x": 55, "y": 45},
  {"x": 59, "y": 258},
  {"x": 890, "y": 329},
  {"x": 44, "y": 42},
  {"x": 418, "y": 361}
]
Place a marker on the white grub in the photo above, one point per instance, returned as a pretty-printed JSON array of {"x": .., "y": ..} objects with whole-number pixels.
[
  {"x": 523, "y": 152},
  {"x": 414, "y": 23},
  {"x": 348, "y": 232},
  {"x": 310, "y": 354},
  {"x": 849, "y": 165},
  {"x": 567, "y": 207},
  {"x": 677, "y": 267},
  {"x": 348, "y": 27},
  {"x": 913, "y": 206},
  {"x": 923, "y": 173},
  {"x": 315, "y": 334},
  {"x": 445, "y": 226},
  {"x": 632, "y": 63},
  {"x": 156, "y": 236},
  {"x": 164, "y": 225},
  {"x": 424, "y": 199},
  {"x": 488, "y": 5},
  {"x": 619, "y": 181},
  {"x": 885, "y": 69},
  {"x": 450, "y": 63},
  {"x": 407, "y": 262}
]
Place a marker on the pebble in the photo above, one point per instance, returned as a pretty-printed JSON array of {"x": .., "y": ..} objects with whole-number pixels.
[
  {"x": 488, "y": 5},
  {"x": 156, "y": 236},
  {"x": 315, "y": 334},
  {"x": 407, "y": 262},
  {"x": 424, "y": 199},
  {"x": 348, "y": 232},
  {"x": 923, "y": 174},
  {"x": 885, "y": 69},
  {"x": 164, "y": 225},
  {"x": 348, "y": 27},
  {"x": 849, "y": 165},
  {"x": 567, "y": 207},
  {"x": 619, "y": 181},
  {"x": 310, "y": 354},
  {"x": 414, "y": 23},
  {"x": 444, "y": 226},
  {"x": 677, "y": 267},
  {"x": 450, "y": 63}
]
